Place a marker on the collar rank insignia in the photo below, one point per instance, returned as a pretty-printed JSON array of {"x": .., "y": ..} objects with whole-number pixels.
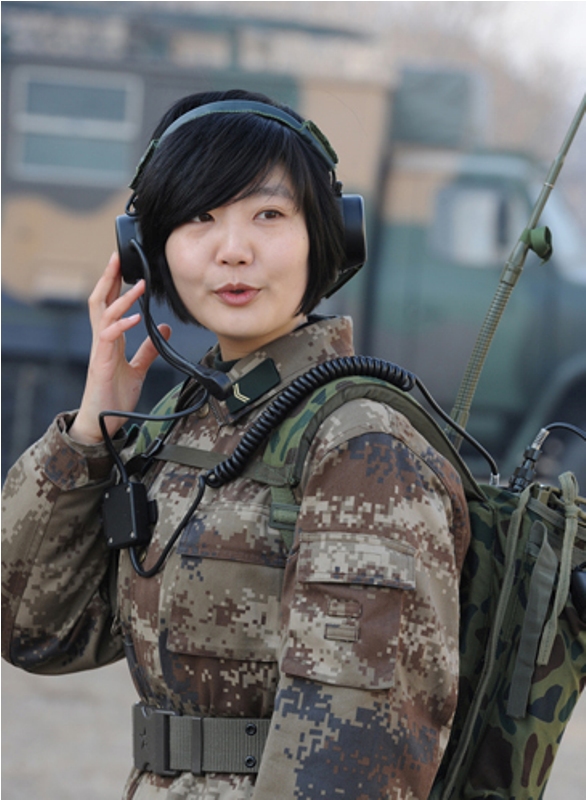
[{"x": 253, "y": 385}]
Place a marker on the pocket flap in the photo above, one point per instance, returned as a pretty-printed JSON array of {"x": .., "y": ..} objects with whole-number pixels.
[{"x": 334, "y": 557}]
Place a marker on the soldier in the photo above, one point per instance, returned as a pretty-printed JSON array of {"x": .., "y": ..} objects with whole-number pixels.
[{"x": 325, "y": 670}]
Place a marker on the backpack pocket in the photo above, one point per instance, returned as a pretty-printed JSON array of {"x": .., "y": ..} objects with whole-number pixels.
[
  {"x": 523, "y": 645},
  {"x": 346, "y": 607}
]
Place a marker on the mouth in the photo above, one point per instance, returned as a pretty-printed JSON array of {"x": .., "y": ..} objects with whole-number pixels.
[{"x": 236, "y": 294}]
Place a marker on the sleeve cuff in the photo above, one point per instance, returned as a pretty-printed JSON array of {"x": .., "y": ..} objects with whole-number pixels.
[{"x": 69, "y": 464}]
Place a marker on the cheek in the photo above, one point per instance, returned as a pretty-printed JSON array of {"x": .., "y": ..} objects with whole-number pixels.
[
  {"x": 299, "y": 275},
  {"x": 171, "y": 255},
  {"x": 181, "y": 261},
  {"x": 302, "y": 281},
  {"x": 305, "y": 271}
]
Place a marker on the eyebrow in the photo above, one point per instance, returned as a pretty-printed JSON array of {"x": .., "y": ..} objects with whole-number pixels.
[{"x": 271, "y": 190}]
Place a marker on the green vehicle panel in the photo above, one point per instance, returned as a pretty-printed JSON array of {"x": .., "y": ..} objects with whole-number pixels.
[{"x": 433, "y": 280}]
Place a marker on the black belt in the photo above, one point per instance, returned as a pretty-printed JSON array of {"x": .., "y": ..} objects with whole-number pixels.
[{"x": 167, "y": 743}]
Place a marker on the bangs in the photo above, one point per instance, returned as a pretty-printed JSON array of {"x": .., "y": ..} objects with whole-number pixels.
[{"x": 228, "y": 160}]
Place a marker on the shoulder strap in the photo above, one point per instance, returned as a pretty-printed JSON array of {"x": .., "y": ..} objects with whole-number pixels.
[
  {"x": 289, "y": 445},
  {"x": 154, "y": 429},
  {"x": 286, "y": 451}
]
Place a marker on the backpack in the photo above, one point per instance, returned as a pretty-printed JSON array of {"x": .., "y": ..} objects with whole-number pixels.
[{"x": 522, "y": 626}]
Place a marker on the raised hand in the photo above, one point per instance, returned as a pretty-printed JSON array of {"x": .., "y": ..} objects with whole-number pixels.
[{"x": 112, "y": 382}]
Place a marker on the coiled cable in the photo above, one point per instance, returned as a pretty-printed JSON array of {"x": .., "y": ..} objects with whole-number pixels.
[
  {"x": 318, "y": 376},
  {"x": 271, "y": 417}
]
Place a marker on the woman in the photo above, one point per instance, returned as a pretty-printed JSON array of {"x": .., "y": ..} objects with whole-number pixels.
[{"x": 239, "y": 648}]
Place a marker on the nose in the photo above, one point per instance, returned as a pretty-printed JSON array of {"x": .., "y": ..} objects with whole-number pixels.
[{"x": 234, "y": 246}]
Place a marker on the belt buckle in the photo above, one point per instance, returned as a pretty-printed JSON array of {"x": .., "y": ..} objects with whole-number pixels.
[{"x": 151, "y": 740}]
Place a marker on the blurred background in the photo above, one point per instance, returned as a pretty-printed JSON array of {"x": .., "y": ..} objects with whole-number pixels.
[{"x": 446, "y": 117}]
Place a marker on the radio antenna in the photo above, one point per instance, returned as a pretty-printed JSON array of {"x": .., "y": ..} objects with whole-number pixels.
[{"x": 532, "y": 238}]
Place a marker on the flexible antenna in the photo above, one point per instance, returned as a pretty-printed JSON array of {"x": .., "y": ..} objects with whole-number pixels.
[{"x": 532, "y": 238}]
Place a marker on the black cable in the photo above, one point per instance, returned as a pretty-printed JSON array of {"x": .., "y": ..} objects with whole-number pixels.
[
  {"x": 270, "y": 418},
  {"x": 494, "y": 470},
  {"x": 148, "y": 573},
  {"x": 568, "y": 427},
  {"x": 318, "y": 376},
  {"x": 142, "y": 418},
  {"x": 525, "y": 473},
  {"x": 214, "y": 381}
]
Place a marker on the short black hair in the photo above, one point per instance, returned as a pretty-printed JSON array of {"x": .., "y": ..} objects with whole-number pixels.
[{"x": 212, "y": 160}]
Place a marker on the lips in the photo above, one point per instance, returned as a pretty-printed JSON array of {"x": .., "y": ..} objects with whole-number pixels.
[{"x": 236, "y": 294}]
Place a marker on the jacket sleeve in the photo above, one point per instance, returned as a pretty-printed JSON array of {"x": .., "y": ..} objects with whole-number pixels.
[
  {"x": 57, "y": 615},
  {"x": 369, "y": 661}
]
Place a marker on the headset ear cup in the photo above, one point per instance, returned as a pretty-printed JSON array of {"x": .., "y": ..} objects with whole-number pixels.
[
  {"x": 127, "y": 231},
  {"x": 352, "y": 210},
  {"x": 354, "y": 231}
]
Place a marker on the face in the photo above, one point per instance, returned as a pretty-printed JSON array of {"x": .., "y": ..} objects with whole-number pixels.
[{"x": 241, "y": 270}]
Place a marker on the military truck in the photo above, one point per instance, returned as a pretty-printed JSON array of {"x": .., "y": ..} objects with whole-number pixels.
[
  {"x": 450, "y": 221},
  {"x": 83, "y": 85}
]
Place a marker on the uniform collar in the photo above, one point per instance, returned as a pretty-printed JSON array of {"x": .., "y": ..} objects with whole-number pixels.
[{"x": 261, "y": 375}]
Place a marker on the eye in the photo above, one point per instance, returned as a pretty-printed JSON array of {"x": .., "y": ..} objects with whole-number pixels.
[
  {"x": 270, "y": 213},
  {"x": 205, "y": 216}
]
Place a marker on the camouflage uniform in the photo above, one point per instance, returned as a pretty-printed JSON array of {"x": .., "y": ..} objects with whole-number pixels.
[{"x": 350, "y": 642}]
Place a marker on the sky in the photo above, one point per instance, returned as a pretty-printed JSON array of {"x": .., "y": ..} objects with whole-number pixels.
[{"x": 530, "y": 35}]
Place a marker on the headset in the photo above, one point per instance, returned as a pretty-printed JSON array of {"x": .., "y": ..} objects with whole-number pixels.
[{"x": 134, "y": 264}]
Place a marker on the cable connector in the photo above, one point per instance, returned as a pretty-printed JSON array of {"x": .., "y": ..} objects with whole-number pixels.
[{"x": 525, "y": 473}]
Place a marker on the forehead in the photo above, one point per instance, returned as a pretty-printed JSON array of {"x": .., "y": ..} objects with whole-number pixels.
[{"x": 276, "y": 183}]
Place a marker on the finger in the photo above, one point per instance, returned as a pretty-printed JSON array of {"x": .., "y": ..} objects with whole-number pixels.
[
  {"x": 108, "y": 288},
  {"x": 114, "y": 274},
  {"x": 114, "y": 269},
  {"x": 147, "y": 352},
  {"x": 109, "y": 280},
  {"x": 116, "y": 329},
  {"x": 120, "y": 306}
]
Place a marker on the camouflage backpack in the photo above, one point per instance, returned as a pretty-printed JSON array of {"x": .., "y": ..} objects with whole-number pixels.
[{"x": 522, "y": 630}]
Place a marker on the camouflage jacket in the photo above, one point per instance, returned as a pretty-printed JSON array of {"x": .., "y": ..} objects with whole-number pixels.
[{"x": 358, "y": 677}]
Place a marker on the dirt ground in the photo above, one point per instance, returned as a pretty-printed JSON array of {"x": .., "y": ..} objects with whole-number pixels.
[{"x": 66, "y": 738}]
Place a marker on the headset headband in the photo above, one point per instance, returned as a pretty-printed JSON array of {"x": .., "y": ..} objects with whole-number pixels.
[{"x": 307, "y": 129}]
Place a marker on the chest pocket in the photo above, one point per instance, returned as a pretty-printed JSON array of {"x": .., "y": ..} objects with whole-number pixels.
[{"x": 223, "y": 592}]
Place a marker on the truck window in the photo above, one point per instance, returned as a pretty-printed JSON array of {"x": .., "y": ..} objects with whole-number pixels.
[
  {"x": 74, "y": 126},
  {"x": 476, "y": 225}
]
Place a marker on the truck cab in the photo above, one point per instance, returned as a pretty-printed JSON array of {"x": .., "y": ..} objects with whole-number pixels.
[{"x": 449, "y": 223}]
